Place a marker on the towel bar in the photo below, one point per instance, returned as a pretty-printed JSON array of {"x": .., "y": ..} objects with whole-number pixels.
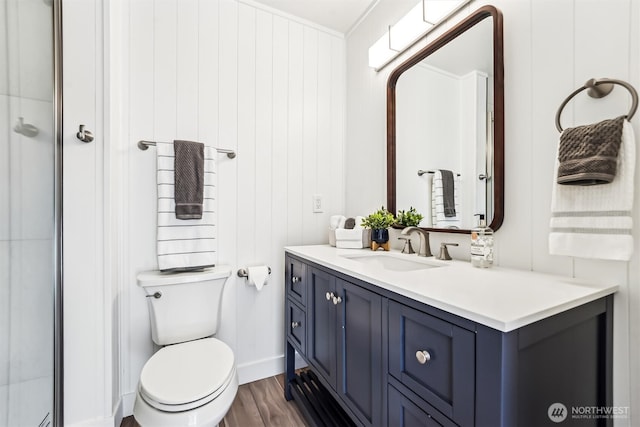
[
  {"x": 422, "y": 172},
  {"x": 144, "y": 145},
  {"x": 599, "y": 89}
]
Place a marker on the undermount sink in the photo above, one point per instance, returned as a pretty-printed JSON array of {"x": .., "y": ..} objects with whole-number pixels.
[{"x": 390, "y": 262}]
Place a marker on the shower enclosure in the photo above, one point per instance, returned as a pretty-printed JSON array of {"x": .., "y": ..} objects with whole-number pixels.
[{"x": 30, "y": 190}]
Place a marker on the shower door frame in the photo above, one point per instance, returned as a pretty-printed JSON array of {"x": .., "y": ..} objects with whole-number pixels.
[{"x": 58, "y": 388}]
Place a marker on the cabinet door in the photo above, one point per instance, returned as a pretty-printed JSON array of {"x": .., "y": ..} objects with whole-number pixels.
[
  {"x": 296, "y": 325},
  {"x": 360, "y": 374},
  {"x": 404, "y": 413},
  {"x": 295, "y": 279},
  {"x": 321, "y": 338},
  {"x": 434, "y": 359}
]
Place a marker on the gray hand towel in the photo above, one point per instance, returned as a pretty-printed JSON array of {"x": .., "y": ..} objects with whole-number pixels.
[
  {"x": 189, "y": 179},
  {"x": 588, "y": 155},
  {"x": 448, "y": 193}
]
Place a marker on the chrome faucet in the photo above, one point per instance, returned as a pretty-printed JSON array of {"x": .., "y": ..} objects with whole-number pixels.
[{"x": 425, "y": 249}]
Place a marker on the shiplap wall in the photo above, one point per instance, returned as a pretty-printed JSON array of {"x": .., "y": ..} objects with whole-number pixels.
[
  {"x": 267, "y": 85},
  {"x": 551, "y": 47}
]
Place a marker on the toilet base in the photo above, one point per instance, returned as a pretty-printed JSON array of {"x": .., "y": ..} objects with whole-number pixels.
[{"x": 208, "y": 415}]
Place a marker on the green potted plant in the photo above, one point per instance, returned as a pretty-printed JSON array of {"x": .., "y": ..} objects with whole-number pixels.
[
  {"x": 379, "y": 223},
  {"x": 410, "y": 218}
]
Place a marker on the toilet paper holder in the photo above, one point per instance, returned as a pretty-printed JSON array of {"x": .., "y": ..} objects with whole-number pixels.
[{"x": 243, "y": 272}]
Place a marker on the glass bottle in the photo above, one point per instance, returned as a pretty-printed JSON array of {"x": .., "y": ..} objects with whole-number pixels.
[{"x": 482, "y": 245}]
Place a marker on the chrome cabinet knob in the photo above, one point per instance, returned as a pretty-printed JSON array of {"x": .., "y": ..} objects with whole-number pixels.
[
  {"x": 336, "y": 300},
  {"x": 329, "y": 296},
  {"x": 295, "y": 279},
  {"x": 295, "y": 325},
  {"x": 423, "y": 356}
]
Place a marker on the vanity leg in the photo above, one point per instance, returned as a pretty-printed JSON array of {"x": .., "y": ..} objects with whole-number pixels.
[{"x": 289, "y": 368}]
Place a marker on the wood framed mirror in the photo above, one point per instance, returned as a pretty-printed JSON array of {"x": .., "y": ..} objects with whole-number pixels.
[{"x": 445, "y": 112}]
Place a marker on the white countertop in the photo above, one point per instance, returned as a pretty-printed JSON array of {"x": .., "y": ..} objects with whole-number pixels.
[{"x": 501, "y": 298}]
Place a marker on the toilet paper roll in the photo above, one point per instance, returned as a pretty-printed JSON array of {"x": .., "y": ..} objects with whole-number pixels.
[{"x": 257, "y": 276}]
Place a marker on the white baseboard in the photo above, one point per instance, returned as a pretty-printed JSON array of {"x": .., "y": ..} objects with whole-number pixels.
[
  {"x": 113, "y": 421},
  {"x": 265, "y": 368},
  {"x": 96, "y": 422},
  {"x": 127, "y": 404},
  {"x": 260, "y": 369},
  {"x": 118, "y": 414}
]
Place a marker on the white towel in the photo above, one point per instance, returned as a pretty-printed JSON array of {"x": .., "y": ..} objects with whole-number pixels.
[
  {"x": 438, "y": 219},
  {"x": 185, "y": 244},
  {"x": 595, "y": 221}
]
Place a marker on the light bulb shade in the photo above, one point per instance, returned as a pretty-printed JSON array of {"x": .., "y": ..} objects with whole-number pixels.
[
  {"x": 421, "y": 19},
  {"x": 437, "y": 10},
  {"x": 408, "y": 29},
  {"x": 380, "y": 54}
]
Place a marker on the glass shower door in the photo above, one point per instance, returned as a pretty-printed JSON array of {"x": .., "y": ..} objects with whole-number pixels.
[{"x": 27, "y": 213}]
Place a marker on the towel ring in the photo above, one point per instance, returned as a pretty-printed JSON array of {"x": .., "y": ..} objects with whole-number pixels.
[{"x": 599, "y": 89}]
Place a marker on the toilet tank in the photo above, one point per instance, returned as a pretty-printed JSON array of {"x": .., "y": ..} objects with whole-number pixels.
[{"x": 187, "y": 305}]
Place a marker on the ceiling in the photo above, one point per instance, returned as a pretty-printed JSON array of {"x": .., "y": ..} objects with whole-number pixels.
[{"x": 339, "y": 15}]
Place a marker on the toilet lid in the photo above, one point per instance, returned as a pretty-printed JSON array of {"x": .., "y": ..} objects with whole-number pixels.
[{"x": 187, "y": 372}]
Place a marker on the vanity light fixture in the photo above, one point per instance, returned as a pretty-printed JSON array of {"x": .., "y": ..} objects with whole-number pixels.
[{"x": 421, "y": 19}]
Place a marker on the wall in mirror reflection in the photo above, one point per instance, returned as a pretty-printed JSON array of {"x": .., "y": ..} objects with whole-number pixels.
[
  {"x": 444, "y": 110},
  {"x": 449, "y": 134}
]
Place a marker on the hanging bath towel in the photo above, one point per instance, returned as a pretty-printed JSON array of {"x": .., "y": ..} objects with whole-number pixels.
[
  {"x": 595, "y": 221},
  {"x": 445, "y": 207},
  {"x": 189, "y": 244}
]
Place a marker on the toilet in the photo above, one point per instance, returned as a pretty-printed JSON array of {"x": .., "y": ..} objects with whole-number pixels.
[{"x": 192, "y": 379}]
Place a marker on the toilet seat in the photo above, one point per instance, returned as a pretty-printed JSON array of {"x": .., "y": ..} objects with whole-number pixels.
[{"x": 188, "y": 375}]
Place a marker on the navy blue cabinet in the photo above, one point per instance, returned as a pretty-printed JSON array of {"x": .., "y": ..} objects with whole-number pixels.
[
  {"x": 389, "y": 361},
  {"x": 296, "y": 321},
  {"x": 345, "y": 342},
  {"x": 295, "y": 277},
  {"x": 404, "y": 412},
  {"x": 360, "y": 374},
  {"x": 321, "y": 351},
  {"x": 435, "y": 359}
]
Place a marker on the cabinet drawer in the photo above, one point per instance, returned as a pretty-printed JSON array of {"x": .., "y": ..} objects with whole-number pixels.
[
  {"x": 296, "y": 326},
  {"x": 404, "y": 413},
  {"x": 295, "y": 280},
  {"x": 434, "y": 359}
]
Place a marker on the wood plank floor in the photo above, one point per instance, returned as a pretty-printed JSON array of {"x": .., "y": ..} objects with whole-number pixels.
[{"x": 257, "y": 404}]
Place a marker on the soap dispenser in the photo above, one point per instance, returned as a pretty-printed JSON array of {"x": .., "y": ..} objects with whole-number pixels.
[{"x": 482, "y": 245}]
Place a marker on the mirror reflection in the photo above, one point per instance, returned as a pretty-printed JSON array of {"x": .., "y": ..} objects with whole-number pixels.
[{"x": 445, "y": 130}]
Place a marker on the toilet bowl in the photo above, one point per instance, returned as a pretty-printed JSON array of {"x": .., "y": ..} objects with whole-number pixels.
[
  {"x": 188, "y": 384},
  {"x": 192, "y": 380}
]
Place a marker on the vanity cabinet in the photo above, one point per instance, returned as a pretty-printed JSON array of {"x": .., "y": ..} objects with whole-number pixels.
[
  {"x": 296, "y": 321},
  {"x": 295, "y": 277},
  {"x": 345, "y": 342},
  {"x": 295, "y": 304},
  {"x": 403, "y": 412},
  {"x": 391, "y": 361},
  {"x": 434, "y": 359}
]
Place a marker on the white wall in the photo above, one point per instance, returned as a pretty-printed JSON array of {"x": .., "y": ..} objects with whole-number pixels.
[
  {"x": 90, "y": 305},
  {"x": 551, "y": 48},
  {"x": 236, "y": 76},
  {"x": 423, "y": 125}
]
